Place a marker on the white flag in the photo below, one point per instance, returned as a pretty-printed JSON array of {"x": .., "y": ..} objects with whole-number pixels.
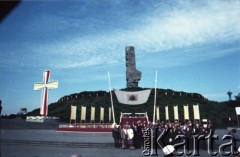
[
  {"x": 73, "y": 112},
  {"x": 132, "y": 97},
  {"x": 175, "y": 111}
]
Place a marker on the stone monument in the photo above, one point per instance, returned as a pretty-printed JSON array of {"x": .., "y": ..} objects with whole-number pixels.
[{"x": 133, "y": 76}]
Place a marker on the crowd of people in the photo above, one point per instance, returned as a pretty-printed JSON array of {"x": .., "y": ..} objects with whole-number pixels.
[{"x": 130, "y": 136}]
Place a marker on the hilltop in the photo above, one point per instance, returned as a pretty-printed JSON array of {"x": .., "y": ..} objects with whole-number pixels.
[{"x": 217, "y": 112}]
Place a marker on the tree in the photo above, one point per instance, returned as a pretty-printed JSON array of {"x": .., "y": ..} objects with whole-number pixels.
[
  {"x": 22, "y": 111},
  {"x": 229, "y": 93},
  {"x": 237, "y": 97}
]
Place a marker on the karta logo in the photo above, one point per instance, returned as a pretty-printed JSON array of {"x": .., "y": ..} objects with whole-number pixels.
[{"x": 182, "y": 143}]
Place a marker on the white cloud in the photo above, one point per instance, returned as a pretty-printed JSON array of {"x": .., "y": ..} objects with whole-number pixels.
[
  {"x": 215, "y": 23},
  {"x": 184, "y": 26}
]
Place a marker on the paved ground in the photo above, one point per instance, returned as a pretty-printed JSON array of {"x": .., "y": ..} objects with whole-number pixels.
[
  {"x": 52, "y": 135},
  {"x": 40, "y": 151},
  {"x": 21, "y": 139}
]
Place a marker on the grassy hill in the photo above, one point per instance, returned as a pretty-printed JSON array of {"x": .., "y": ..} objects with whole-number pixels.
[{"x": 218, "y": 112}]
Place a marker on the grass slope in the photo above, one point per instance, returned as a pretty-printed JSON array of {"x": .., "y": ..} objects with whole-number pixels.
[{"x": 215, "y": 111}]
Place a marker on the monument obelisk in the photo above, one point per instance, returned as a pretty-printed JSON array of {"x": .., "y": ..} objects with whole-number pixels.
[{"x": 133, "y": 76}]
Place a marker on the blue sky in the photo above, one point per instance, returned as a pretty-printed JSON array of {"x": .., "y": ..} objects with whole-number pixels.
[{"x": 194, "y": 46}]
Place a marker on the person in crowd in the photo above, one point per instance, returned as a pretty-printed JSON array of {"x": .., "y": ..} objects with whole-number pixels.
[
  {"x": 188, "y": 134},
  {"x": 235, "y": 135},
  {"x": 203, "y": 132},
  {"x": 130, "y": 136},
  {"x": 137, "y": 135},
  {"x": 210, "y": 127},
  {"x": 124, "y": 137},
  {"x": 119, "y": 136},
  {"x": 115, "y": 135}
]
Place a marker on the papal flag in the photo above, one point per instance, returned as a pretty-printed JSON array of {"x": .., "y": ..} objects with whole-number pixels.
[
  {"x": 157, "y": 113},
  {"x": 101, "y": 114},
  {"x": 166, "y": 113},
  {"x": 175, "y": 111},
  {"x": 92, "y": 113},
  {"x": 83, "y": 112},
  {"x": 186, "y": 112},
  {"x": 110, "y": 114},
  {"x": 73, "y": 112},
  {"x": 132, "y": 97},
  {"x": 196, "y": 113}
]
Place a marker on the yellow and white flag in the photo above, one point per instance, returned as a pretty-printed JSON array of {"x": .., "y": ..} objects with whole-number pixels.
[
  {"x": 186, "y": 112},
  {"x": 92, "y": 113},
  {"x": 175, "y": 111},
  {"x": 166, "y": 113},
  {"x": 83, "y": 112},
  {"x": 157, "y": 113},
  {"x": 101, "y": 114},
  {"x": 110, "y": 114},
  {"x": 196, "y": 113},
  {"x": 73, "y": 112}
]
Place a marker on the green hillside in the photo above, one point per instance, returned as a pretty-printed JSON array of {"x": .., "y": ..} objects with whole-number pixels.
[{"x": 215, "y": 111}]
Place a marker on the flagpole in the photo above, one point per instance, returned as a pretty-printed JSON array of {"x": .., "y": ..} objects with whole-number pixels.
[
  {"x": 155, "y": 97},
  {"x": 110, "y": 90},
  {"x": 70, "y": 114}
]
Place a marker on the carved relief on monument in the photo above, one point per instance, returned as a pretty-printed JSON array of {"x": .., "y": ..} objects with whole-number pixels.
[{"x": 133, "y": 76}]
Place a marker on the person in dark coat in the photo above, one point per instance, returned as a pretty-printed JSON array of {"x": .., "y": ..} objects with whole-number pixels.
[
  {"x": 140, "y": 141},
  {"x": 118, "y": 136},
  {"x": 115, "y": 135}
]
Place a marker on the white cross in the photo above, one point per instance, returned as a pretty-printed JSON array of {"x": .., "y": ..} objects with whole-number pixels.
[{"x": 45, "y": 86}]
